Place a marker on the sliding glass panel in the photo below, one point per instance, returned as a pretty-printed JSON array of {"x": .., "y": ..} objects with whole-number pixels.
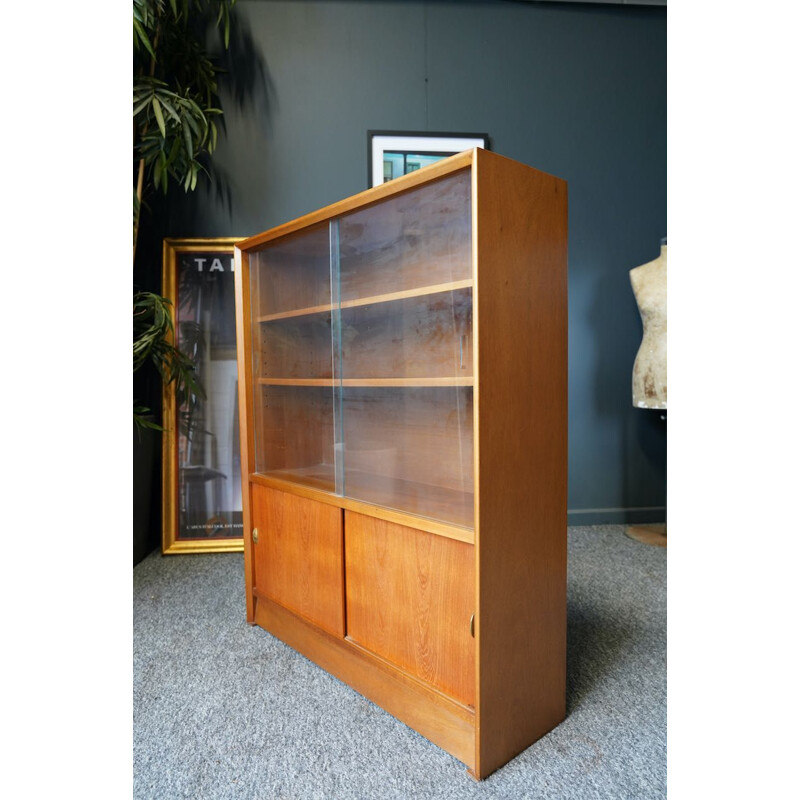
[
  {"x": 291, "y": 275},
  {"x": 410, "y": 448},
  {"x": 428, "y": 336},
  {"x": 292, "y": 313},
  {"x": 406, "y": 352},
  {"x": 408, "y": 242},
  {"x": 294, "y": 434}
]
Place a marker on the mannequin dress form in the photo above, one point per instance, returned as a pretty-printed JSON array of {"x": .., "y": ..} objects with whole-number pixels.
[
  {"x": 649, "y": 383},
  {"x": 649, "y": 284}
]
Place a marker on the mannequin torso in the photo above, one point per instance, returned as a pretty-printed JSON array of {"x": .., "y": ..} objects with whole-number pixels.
[{"x": 649, "y": 283}]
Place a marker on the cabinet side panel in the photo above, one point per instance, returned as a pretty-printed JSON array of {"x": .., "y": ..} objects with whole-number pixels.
[{"x": 522, "y": 457}]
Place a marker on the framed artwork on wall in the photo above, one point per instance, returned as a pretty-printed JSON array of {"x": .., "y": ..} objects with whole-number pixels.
[
  {"x": 394, "y": 153},
  {"x": 201, "y": 470}
]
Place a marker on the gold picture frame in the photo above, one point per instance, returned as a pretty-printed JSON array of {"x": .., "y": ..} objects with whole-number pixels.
[{"x": 200, "y": 480}]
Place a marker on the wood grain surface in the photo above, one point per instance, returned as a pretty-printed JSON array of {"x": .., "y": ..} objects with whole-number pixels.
[
  {"x": 448, "y": 724},
  {"x": 410, "y": 598},
  {"x": 521, "y": 310},
  {"x": 249, "y": 420},
  {"x": 316, "y": 483},
  {"x": 298, "y": 556},
  {"x": 296, "y": 427}
]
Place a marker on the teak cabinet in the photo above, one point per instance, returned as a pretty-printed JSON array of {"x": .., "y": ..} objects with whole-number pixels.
[{"x": 403, "y": 415}]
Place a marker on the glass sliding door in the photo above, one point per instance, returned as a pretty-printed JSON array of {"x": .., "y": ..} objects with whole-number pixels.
[
  {"x": 405, "y": 283},
  {"x": 292, "y": 313}
]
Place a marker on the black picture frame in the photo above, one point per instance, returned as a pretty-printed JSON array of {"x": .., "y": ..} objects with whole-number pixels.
[{"x": 427, "y": 145}]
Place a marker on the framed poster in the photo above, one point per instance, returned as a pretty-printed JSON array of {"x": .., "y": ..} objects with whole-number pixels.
[
  {"x": 394, "y": 153},
  {"x": 201, "y": 470}
]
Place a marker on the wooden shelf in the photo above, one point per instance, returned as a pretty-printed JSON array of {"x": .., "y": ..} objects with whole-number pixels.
[
  {"x": 420, "y": 499},
  {"x": 390, "y": 297},
  {"x": 295, "y": 312},
  {"x": 319, "y": 476},
  {"x": 452, "y": 510},
  {"x": 359, "y": 382},
  {"x": 296, "y": 382},
  {"x": 408, "y": 382}
]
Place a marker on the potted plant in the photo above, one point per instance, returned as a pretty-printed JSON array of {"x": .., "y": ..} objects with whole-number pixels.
[{"x": 175, "y": 111}]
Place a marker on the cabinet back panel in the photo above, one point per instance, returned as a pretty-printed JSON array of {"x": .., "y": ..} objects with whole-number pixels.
[
  {"x": 298, "y": 347},
  {"x": 296, "y": 428},
  {"x": 419, "y": 434},
  {"x": 418, "y": 238},
  {"x": 292, "y": 272},
  {"x": 417, "y": 337},
  {"x": 298, "y": 556},
  {"x": 410, "y": 596}
]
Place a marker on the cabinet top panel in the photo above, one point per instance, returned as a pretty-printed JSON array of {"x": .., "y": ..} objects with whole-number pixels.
[{"x": 396, "y": 186}]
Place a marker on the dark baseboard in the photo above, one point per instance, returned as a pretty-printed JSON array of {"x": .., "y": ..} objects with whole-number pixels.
[{"x": 616, "y": 516}]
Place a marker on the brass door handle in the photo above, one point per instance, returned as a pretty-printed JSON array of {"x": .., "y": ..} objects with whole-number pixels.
[
  {"x": 472, "y": 626},
  {"x": 255, "y": 535}
]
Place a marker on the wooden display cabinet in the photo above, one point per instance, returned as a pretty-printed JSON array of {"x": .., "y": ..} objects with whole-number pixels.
[{"x": 403, "y": 407}]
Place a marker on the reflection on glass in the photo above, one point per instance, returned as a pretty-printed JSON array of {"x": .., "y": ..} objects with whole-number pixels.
[
  {"x": 406, "y": 352},
  {"x": 362, "y": 353},
  {"x": 209, "y": 468},
  {"x": 410, "y": 448},
  {"x": 411, "y": 242},
  {"x": 290, "y": 291}
]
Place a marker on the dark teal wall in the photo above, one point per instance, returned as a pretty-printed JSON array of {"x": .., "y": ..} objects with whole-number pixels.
[{"x": 575, "y": 90}]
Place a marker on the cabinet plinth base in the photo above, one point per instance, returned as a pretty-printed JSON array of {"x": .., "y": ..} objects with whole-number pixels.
[{"x": 444, "y": 722}]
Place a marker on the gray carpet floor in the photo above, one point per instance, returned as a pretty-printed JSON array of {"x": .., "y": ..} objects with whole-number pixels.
[{"x": 224, "y": 710}]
